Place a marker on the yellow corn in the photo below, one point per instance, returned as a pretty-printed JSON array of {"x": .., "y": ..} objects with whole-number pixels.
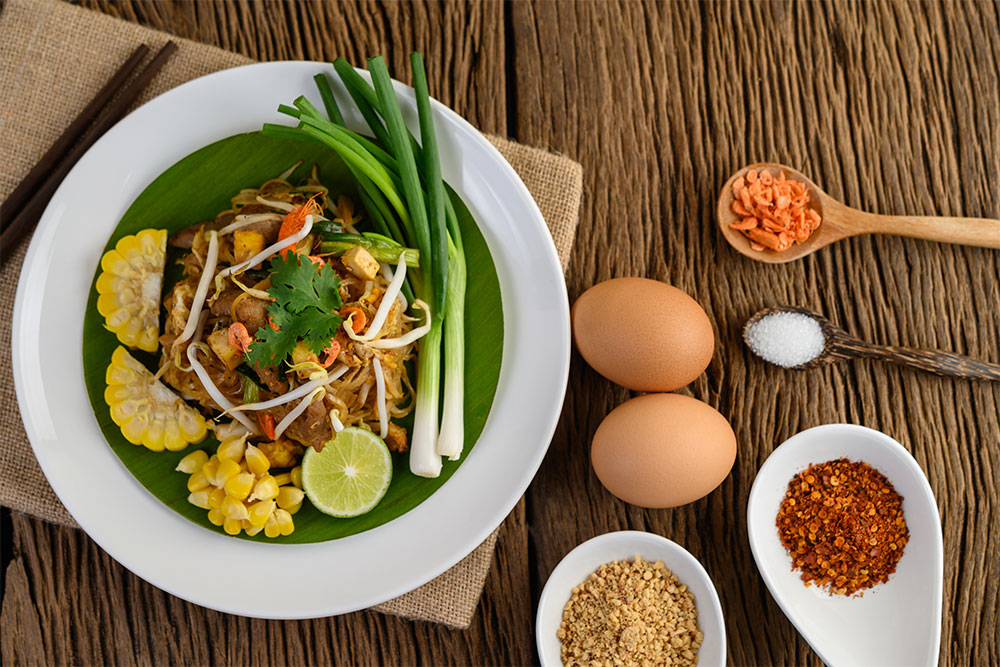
[
  {"x": 200, "y": 499},
  {"x": 227, "y": 469},
  {"x": 283, "y": 479},
  {"x": 216, "y": 498},
  {"x": 260, "y": 513},
  {"x": 256, "y": 461},
  {"x": 192, "y": 462},
  {"x": 238, "y": 486},
  {"x": 289, "y": 496},
  {"x": 232, "y": 526},
  {"x": 210, "y": 467},
  {"x": 232, "y": 449},
  {"x": 284, "y": 520},
  {"x": 296, "y": 475},
  {"x": 265, "y": 489},
  {"x": 234, "y": 509},
  {"x": 197, "y": 482},
  {"x": 250, "y": 529},
  {"x": 271, "y": 528},
  {"x": 292, "y": 509},
  {"x": 216, "y": 517},
  {"x": 129, "y": 288}
]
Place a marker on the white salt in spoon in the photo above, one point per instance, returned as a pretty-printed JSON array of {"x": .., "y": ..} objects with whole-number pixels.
[
  {"x": 895, "y": 623},
  {"x": 799, "y": 338}
]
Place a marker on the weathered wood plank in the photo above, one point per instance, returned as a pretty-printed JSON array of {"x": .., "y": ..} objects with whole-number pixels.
[{"x": 891, "y": 106}]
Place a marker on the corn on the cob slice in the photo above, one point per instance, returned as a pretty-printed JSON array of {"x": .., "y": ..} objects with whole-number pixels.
[
  {"x": 147, "y": 412},
  {"x": 193, "y": 462},
  {"x": 129, "y": 288}
]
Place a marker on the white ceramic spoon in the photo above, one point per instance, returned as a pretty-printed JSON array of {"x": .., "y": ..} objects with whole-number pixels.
[{"x": 895, "y": 623}]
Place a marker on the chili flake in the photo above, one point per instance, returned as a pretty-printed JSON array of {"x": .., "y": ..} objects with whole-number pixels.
[{"x": 842, "y": 523}]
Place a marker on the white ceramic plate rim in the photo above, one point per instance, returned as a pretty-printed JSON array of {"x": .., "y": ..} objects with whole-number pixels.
[
  {"x": 914, "y": 468},
  {"x": 590, "y": 555},
  {"x": 184, "y": 559}
]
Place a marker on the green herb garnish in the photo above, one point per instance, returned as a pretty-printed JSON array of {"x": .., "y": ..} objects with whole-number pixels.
[{"x": 306, "y": 301}]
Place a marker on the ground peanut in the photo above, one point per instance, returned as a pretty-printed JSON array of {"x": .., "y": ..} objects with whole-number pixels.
[{"x": 630, "y": 613}]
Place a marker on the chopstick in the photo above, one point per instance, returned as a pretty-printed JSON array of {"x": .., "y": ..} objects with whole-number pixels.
[
  {"x": 13, "y": 204},
  {"x": 25, "y": 219}
]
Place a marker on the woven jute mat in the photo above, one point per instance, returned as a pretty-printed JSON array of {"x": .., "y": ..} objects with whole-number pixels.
[{"x": 53, "y": 58}]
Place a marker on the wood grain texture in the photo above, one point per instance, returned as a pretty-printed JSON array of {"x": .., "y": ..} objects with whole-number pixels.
[{"x": 890, "y": 107}]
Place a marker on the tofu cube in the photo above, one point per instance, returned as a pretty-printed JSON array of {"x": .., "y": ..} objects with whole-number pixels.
[
  {"x": 361, "y": 263},
  {"x": 246, "y": 244},
  {"x": 219, "y": 342}
]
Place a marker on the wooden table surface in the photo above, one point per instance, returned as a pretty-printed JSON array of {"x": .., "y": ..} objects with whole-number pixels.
[{"x": 892, "y": 107}]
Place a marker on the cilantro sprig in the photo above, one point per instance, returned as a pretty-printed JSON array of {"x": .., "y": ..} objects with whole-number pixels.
[{"x": 306, "y": 301}]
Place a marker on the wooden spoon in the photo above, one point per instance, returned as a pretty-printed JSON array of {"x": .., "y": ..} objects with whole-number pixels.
[
  {"x": 840, "y": 221},
  {"x": 841, "y": 345}
]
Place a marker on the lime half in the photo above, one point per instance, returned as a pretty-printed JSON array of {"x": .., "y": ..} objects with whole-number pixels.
[{"x": 351, "y": 474}]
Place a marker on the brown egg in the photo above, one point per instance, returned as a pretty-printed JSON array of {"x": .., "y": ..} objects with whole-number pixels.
[
  {"x": 663, "y": 450},
  {"x": 642, "y": 334}
]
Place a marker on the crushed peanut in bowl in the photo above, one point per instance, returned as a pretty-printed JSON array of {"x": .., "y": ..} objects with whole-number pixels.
[{"x": 630, "y": 613}]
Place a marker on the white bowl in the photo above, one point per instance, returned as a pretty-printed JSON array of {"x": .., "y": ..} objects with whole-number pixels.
[
  {"x": 626, "y": 545},
  {"x": 895, "y": 623},
  {"x": 164, "y": 548}
]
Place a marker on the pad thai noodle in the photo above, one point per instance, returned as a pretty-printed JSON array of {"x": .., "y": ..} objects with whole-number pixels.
[{"x": 228, "y": 345}]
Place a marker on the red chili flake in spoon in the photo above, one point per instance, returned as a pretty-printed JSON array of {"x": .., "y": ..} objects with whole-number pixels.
[{"x": 842, "y": 523}]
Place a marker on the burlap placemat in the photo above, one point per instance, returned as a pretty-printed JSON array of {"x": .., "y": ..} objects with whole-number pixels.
[{"x": 53, "y": 58}]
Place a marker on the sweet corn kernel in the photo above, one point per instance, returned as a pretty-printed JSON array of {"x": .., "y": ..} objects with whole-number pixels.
[
  {"x": 283, "y": 479},
  {"x": 253, "y": 530},
  {"x": 216, "y": 517},
  {"x": 289, "y": 496},
  {"x": 284, "y": 520},
  {"x": 232, "y": 526},
  {"x": 192, "y": 462},
  {"x": 271, "y": 528},
  {"x": 197, "y": 482},
  {"x": 292, "y": 509},
  {"x": 234, "y": 509},
  {"x": 265, "y": 489},
  {"x": 232, "y": 449},
  {"x": 297, "y": 476},
  {"x": 239, "y": 486},
  {"x": 260, "y": 513},
  {"x": 227, "y": 468},
  {"x": 256, "y": 460},
  {"x": 210, "y": 467},
  {"x": 200, "y": 499},
  {"x": 216, "y": 498}
]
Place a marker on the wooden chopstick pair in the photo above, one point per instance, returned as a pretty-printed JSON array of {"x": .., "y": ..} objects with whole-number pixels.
[{"x": 21, "y": 210}]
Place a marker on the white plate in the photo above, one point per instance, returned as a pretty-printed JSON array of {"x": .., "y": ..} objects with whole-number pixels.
[
  {"x": 579, "y": 563},
  {"x": 895, "y": 623},
  {"x": 216, "y": 570}
]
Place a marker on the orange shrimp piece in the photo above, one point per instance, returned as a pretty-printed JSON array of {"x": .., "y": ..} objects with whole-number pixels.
[
  {"x": 773, "y": 211},
  {"x": 295, "y": 219},
  {"x": 332, "y": 351},
  {"x": 358, "y": 323},
  {"x": 239, "y": 337}
]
